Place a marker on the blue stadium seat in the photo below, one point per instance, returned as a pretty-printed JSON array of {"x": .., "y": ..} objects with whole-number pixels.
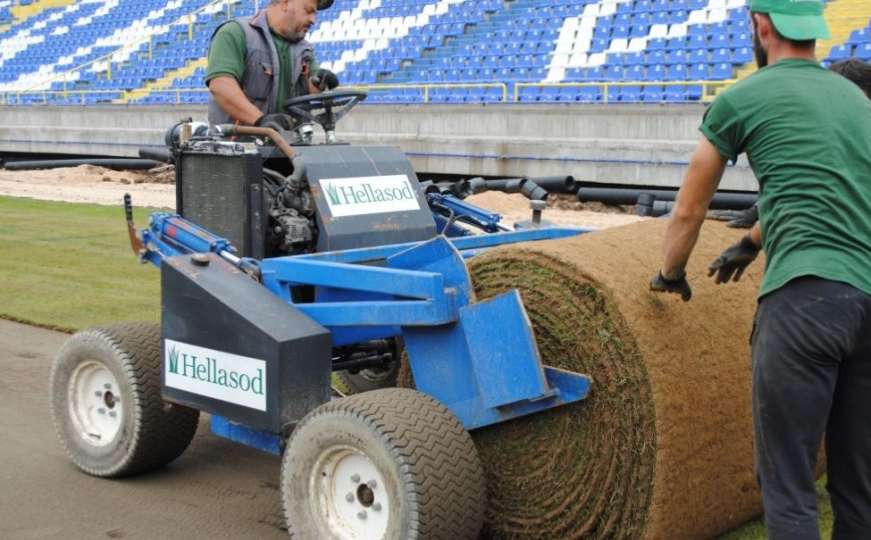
[
  {"x": 675, "y": 93},
  {"x": 652, "y": 92},
  {"x": 860, "y": 36},
  {"x": 721, "y": 55},
  {"x": 476, "y": 42},
  {"x": 549, "y": 94},
  {"x": 655, "y": 72},
  {"x": 590, "y": 94},
  {"x": 630, "y": 94},
  {"x": 635, "y": 73},
  {"x": 742, "y": 56},
  {"x": 677, "y": 72},
  {"x": 698, "y": 72},
  {"x": 698, "y": 56},
  {"x": 721, "y": 72},
  {"x": 529, "y": 94}
]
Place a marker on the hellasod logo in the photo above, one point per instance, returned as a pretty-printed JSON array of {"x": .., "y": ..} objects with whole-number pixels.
[
  {"x": 216, "y": 374},
  {"x": 369, "y": 195}
]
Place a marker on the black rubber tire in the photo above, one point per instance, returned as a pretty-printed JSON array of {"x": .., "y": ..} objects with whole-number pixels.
[
  {"x": 366, "y": 380},
  {"x": 153, "y": 433},
  {"x": 427, "y": 458}
]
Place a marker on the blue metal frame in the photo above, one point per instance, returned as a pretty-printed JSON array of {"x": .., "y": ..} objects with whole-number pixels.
[{"x": 478, "y": 358}]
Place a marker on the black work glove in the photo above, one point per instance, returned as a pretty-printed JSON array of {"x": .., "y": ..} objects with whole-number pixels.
[
  {"x": 746, "y": 220},
  {"x": 680, "y": 286},
  {"x": 274, "y": 120},
  {"x": 732, "y": 262},
  {"x": 324, "y": 79}
]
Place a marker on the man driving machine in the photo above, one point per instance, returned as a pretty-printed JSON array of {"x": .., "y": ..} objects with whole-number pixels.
[{"x": 257, "y": 63}]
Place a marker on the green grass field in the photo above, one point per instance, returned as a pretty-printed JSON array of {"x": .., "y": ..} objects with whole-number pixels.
[{"x": 69, "y": 266}]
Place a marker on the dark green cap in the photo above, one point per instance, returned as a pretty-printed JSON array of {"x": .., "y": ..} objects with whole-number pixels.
[{"x": 798, "y": 20}]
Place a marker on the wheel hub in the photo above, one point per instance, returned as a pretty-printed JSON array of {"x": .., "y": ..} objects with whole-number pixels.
[
  {"x": 95, "y": 407},
  {"x": 350, "y": 495}
]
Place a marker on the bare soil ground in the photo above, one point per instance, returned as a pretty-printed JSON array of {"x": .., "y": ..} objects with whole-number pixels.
[
  {"x": 155, "y": 189},
  {"x": 217, "y": 489},
  {"x": 89, "y": 184}
]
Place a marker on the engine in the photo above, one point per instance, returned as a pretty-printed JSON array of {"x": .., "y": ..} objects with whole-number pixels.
[{"x": 292, "y": 227}]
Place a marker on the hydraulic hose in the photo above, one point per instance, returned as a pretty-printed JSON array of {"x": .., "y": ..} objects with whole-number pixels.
[{"x": 230, "y": 129}]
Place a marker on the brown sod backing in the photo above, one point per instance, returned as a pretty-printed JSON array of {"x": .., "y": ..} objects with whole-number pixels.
[{"x": 662, "y": 449}]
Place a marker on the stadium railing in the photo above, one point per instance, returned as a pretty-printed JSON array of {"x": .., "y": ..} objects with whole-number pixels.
[{"x": 177, "y": 96}]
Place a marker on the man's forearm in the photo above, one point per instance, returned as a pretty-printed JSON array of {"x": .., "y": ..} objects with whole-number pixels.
[
  {"x": 756, "y": 234},
  {"x": 233, "y": 101},
  {"x": 680, "y": 239},
  {"x": 701, "y": 181}
]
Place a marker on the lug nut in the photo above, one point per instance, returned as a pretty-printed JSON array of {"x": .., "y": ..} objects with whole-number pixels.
[
  {"x": 372, "y": 484},
  {"x": 376, "y": 507},
  {"x": 355, "y": 479},
  {"x": 98, "y": 393},
  {"x": 349, "y": 497},
  {"x": 107, "y": 386},
  {"x": 361, "y": 514},
  {"x": 113, "y": 414},
  {"x": 101, "y": 410}
]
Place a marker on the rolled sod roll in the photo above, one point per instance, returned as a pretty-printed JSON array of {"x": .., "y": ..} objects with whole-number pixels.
[{"x": 662, "y": 447}]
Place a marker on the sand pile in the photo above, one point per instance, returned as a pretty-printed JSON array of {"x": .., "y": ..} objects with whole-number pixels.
[{"x": 663, "y": 447}]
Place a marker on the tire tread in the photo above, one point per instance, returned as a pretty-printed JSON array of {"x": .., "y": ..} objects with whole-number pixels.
[
  {"x": 162, "y": 431},
  {"x": 436, "y": 457}
]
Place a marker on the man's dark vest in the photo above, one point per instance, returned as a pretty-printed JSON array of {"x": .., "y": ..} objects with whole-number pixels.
[{"x": 262, "y": 76}]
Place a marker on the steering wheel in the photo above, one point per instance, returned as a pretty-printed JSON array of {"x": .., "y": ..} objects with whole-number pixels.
[{"x": 325, "y": 109}]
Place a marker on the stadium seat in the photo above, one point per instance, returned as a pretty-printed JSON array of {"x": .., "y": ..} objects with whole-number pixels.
[{"x": 402, "y": 42}]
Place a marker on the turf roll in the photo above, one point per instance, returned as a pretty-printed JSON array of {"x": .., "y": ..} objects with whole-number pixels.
[{"x": 662, "y": 448}]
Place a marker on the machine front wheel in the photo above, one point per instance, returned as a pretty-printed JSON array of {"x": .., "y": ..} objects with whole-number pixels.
[
  {"x": 389, "y": 464},
  {"x": 107, "y": 406}
]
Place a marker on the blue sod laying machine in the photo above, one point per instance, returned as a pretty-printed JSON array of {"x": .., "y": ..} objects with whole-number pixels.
[{"x": 294, "y": 278}]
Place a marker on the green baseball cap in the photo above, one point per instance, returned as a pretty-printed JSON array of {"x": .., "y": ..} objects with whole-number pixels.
[{"x": 798, "y": 20}]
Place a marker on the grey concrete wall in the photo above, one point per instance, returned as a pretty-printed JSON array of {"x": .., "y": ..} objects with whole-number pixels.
[{"x": 628, "y": 144}]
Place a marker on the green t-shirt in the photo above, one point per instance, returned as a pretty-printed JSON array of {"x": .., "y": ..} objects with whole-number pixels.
[
  {"x": 807, "y": 134},
  {"x": 227, "y": 57}
]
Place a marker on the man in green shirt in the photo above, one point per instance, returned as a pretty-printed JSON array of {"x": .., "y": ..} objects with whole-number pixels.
[
  {"x": 807, "y": 134},
  {"x": 257, "y": 63}
]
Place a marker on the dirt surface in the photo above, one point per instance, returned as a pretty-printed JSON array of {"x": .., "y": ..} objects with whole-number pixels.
[
  {"x": 217, "y": 489},
  {"x": 662, "y": 448},
  {"x": 560, "y": 211},
  {"x": 155, "y": 189},
  {"x": 91, "y": 184}
]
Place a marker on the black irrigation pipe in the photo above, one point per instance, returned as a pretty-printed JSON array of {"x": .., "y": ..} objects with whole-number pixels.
[
  {"x": 721, "y": 200},
  {"x": 552, "y": 184},
  {"x": 157, "y": 154},
  {"x": 111, "y": 163}
]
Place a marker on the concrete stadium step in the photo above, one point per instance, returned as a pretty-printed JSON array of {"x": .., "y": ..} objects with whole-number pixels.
[
  {"x": 843, "y": 16},
  {"x": 163, "y": 83},
  {"x": 22, "y": 12}
]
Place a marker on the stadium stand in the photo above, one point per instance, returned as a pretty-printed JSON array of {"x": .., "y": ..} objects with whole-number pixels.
[{"x": 405, "y": 51}]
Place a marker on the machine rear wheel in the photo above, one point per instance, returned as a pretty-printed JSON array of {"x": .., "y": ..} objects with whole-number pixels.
[
  {"x": 107, "y": 406},
  {"x": 389, "y": 464}
]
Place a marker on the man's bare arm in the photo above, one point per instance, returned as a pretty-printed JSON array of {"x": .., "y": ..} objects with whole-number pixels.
[
  {"x": 230, "y": 98},
  {"x": 698, "y": 188},
  {"x": 756, "y": 234}
]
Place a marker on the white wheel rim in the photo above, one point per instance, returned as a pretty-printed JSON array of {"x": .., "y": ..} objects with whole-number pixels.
[
  {"x": 95, "y": 404},
  {"x": 349, "y": 495}
]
